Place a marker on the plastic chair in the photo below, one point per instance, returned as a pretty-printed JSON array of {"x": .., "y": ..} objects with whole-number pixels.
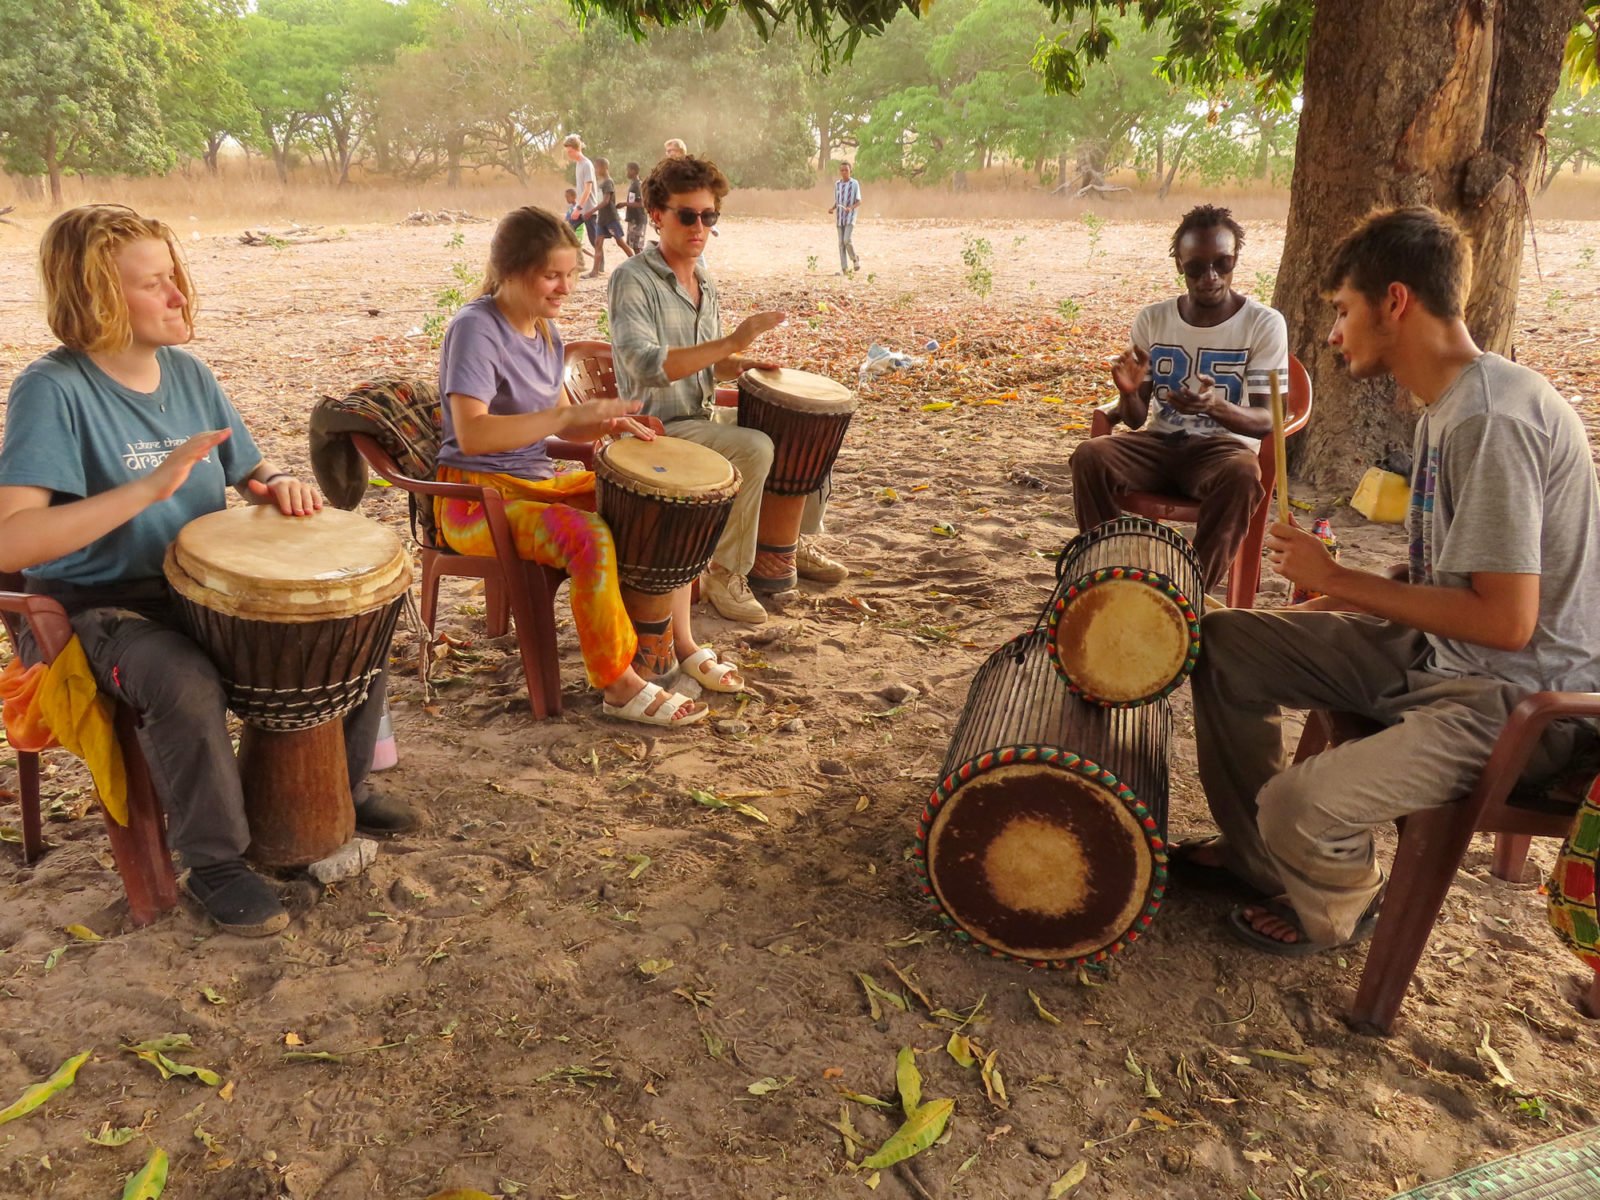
[
  {"x": 1244, "y": 577},
  {"x": 590, "y": 374},
  {"x": 515, "y": 591},
  {"x": 1434, "y": 841},
  {"x": 140, "y": 847}
]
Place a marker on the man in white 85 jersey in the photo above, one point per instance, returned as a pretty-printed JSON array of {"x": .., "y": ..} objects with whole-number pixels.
[{"x": 1195, "y": 393}]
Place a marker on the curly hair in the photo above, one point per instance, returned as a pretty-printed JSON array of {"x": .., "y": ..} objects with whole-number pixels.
[
  {"x": 83, "y": 297},
  {"x": 1418, "y": 246},
  {"x": 1208, "y": 216},
  {"x": 677, "y": 176}
]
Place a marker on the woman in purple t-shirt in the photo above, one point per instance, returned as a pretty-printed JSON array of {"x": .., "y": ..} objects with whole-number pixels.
[{"x": 500, "y": 374}]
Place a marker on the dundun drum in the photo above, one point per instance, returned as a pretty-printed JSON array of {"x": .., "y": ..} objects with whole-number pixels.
[
  {"x": 806, "y": 417},
  {"x": 297, "y": 614},
  {"x": 1045, "y": 839},
  {"x": 666, "y": 502},
  {"x": 1125, "y": 616}
]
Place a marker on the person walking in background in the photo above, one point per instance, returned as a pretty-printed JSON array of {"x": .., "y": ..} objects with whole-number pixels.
[
  {"x": 634, "y": 210},
  {"x": 846, "y": 199},
  {"x": 674, "y": 148},
  {"x": 587, "y": 197},
  {"x": 574, "y": 217},
  {"x": 607, "y": 219}
]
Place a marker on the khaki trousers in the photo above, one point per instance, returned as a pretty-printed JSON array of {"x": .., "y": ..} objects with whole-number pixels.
[
  {"x": 1306, "y": 830},
  {"x": 750, "y": 451}
]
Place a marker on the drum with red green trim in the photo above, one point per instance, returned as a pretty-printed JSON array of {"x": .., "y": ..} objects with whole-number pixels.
[
  {"x": 1045, "y": 838},
  {"x": 1125, "y": 616}
]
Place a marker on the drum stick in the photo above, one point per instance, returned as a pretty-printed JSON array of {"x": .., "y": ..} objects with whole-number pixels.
[{"x": 1280, "y": 452}]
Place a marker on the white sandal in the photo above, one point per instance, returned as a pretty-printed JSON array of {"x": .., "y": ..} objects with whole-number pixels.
[
  {"x": 666, "y": 716},
  {"x": 709, "y": 672}
]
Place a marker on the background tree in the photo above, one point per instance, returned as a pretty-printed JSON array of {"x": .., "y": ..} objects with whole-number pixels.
[
  {"x": 79, "y": 89},
  {"x": 202, "y": 104}
]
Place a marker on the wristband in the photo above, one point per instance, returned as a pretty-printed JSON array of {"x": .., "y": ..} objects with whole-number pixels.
[{"x": 272, "y": 479}]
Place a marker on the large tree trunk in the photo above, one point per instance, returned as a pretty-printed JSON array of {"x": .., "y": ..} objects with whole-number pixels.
[
  {"x": 1411, "y": 101},
  {"x": 52, "y": 167},
  {"x": 824, "y": 140}
]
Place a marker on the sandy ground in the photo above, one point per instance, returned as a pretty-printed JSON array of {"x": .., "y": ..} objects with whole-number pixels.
[{"x": 484, "y": 982}]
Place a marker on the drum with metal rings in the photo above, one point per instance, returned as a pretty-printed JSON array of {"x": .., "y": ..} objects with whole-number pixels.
[
  {"x": 1045, "y": 837},
  {"x": 1124, "y": 618}
]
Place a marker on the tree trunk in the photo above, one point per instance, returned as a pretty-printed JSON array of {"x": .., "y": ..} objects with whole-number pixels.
[
  {"x": 213, "y": 152},
  {"x": 1161, "y": 149},
  {"x": 454, "y": 146},
  {"x": 280, "y": 160},
  {"x": 824, "y": 140},
  {"x": 52, "y": 167},
  {"x": 1411, "y": 101}
]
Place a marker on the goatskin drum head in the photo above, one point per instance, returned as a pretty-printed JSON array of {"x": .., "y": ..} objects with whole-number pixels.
[
  {"x": 667, "y": 466},
  {"x": 799, "y": 389},
  {"x": 1039, "y": 862},
  {"x": 257, "y": 563},
  {"x": 1121, "y": 641}
]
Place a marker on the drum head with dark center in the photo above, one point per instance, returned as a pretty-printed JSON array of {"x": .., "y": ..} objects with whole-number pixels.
[
  {"x": 667, "y": 466},
  {"x": 799, "y": 389},
  {"x": 255, "y": 562},
  {"x": 1119, "y": 640},
  {"x": 1039, "y": 862}
]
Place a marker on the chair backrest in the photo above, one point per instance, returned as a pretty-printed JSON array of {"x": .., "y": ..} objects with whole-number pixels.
[{"x": 590, "y": 372}]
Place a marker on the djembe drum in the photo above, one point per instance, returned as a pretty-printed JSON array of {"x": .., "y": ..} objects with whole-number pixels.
[
  {"x": 1045, "y": 839},
  {"x": 666, "y": 502},
  {"x": 806, "y": 416},
  {"x": 297, "y": 614},
  {"x": 1125, "y": 615}
]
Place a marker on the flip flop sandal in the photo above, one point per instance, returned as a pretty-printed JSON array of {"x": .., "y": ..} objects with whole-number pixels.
[
  {"x": 1190, "y": 871},
  {"x": 666, "y": 716},
  {"x": 709, "y": 672},
  {"x": 1284, "y": 911}
]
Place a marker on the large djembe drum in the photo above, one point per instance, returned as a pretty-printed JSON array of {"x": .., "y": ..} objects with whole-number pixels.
[
  {"x": 1125, "y": 615},
  {"x": 297, "y": 614},
  {"x": 806, "y": 417},
  {"x": 1045, "y": 839},
  {"x": 666, "y": 502}
]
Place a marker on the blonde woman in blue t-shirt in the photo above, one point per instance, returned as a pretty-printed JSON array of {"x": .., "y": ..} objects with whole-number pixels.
[{"x": 113, "y": 442}]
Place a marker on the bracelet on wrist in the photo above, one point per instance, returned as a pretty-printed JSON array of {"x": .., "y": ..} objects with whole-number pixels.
[{"x": 272, "y": 479}]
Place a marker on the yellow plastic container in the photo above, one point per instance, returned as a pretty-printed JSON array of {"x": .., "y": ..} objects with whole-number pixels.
[{"x": 1382, "y": 496}]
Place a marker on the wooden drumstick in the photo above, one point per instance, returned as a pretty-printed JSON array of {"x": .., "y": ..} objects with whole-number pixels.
[{"x": 1280, "y": 454}]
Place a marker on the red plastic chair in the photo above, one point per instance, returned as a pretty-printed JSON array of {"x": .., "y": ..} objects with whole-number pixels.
[
  {"x": 139, "y": 848},
  {"x": 1244, "y": 577},
  {"x": 1434, "y": 841}
]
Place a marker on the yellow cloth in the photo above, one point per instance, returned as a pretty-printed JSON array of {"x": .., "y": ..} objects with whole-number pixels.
[{"x": 66, "y": 702}]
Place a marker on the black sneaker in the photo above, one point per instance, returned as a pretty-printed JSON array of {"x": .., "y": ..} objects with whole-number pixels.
[
  {"x": 237, "y": 899},
  {"x": 382, "y": 815}
]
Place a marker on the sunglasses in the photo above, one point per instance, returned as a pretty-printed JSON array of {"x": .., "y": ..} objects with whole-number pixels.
[
  {"x": 689, "y": 216},
  {"x": 1198, "y": 269}
]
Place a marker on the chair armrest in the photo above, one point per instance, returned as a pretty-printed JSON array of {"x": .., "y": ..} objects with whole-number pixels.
[
  {"x": 1521, "y": 734},
  {"x": 579, "y": 452},
  {"x": 1104, "y": 419},
  {"x": 48, "y": 621},
  {"x": 380, "y": 461}
]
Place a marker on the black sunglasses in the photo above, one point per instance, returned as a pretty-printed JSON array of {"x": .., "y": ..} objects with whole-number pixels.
[
  {"x": 688, "y": 216},
  {"x": 1198, "y": 268}
]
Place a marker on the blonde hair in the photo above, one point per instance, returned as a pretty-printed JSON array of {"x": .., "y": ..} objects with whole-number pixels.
[
  {"x": 524, "y": 241},
  {"x": 83, "y": 297}
]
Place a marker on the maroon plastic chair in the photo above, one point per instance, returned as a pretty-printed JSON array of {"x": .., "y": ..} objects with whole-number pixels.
[
  {"x": 1434, "y": 841},
  {"x": 139, "y": 848},
  {"x": 1244, "y": 577},
  {"x": 516, "y": 592}
]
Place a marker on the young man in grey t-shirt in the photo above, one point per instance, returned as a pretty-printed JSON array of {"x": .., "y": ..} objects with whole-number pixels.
[{"x": 1502, "y": 599}]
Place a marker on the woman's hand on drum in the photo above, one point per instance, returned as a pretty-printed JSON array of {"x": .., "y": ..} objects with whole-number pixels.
[
  {"x": 293, "y": 498},
  {"x": 605, "y": 418},
  {"x": 174, "y": 470}
]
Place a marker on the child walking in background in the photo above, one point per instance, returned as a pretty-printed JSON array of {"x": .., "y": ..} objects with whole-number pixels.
[
  {"x": 634, "y": 210},
  {"x": 575, "y": 219},
  {"x": 608, "y": 221}
]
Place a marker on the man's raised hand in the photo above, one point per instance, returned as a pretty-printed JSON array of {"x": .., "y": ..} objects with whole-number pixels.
[
  {"x": 755, "y": 325},
  {"x": 1130, "y": 370}
]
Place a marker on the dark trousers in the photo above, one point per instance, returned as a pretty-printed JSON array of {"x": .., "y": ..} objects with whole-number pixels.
[
  {"x": 1222, "y": 473},
  {"x": 142, "y": 659}
]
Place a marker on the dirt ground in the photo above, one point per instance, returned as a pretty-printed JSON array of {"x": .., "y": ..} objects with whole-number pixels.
[{"x": 567, "y": 983}]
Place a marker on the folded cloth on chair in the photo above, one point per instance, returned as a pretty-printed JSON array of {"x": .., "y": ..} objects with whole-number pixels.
[
  {"x": 401, "y": 414},
  {"x": 1573, "y": 913},
  {"x": 62, "y": 705}
]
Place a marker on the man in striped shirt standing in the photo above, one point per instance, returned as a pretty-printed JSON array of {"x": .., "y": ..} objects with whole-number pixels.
[{"x": 846, "y": 199}]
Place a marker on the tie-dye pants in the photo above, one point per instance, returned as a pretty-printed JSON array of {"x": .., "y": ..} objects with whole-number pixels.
[{"x": 553, "y": 524}]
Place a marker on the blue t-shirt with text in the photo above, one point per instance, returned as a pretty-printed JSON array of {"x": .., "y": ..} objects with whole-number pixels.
[{"x": 74, "y": 430}]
